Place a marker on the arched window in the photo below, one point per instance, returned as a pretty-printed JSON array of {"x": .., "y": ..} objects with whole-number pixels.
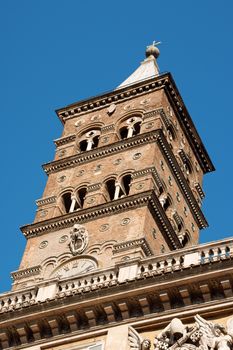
[
  {"x": 186, "y": 163},
  {"x": 132, "y": 127},
  {"x": 89, "y": 140},
  {"x": 66, "y": 201},
  {"x": 184, "y": 239},
  {"x": 74, "y": 201},
  {"x": 111, "y": 186},
  {"x": 171, "y": 134},
  {"x": 118, "y": 189},
  {"x": 165, "y": 201}
]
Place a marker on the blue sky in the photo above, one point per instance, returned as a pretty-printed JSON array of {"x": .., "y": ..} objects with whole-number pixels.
[{"x": 57, "y": 52}]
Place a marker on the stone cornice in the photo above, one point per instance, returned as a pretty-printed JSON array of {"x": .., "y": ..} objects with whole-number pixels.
[
  {"x": 46, "y": 200},
  {"x": 119, "y": 247},
  {"x": 156, "y": 135},
  {"x": 99, "y": 152},
  {"x": 171, "y": 159},
  {"x": 31, "y": 271},
  {"x": 146, "y": 198},
  {"x": 164, "y": 81},
  {"x": 143, "y": 172},
  {"x": 199, "y": 190},
  {"x": 64, "y": 140}
]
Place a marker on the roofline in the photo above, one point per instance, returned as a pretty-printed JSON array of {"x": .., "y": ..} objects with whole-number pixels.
[{"x": 164, "y": 81}]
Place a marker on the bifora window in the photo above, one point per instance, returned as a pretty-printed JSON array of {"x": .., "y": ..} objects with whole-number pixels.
[
  {"x": 89, "y": 140},
  {"x": 132, "y": 127},
  {"x": 118, "y": 188},
  {"x": 74, "y": 201}
]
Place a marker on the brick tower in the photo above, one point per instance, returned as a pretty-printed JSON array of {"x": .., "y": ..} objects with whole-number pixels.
[{"x": 114, "y": 246}]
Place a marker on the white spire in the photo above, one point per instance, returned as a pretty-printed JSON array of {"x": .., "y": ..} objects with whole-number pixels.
[{"x": 147, "y": 69}]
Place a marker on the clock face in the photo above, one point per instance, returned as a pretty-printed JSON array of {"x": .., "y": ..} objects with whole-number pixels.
[{"x": 74, "y": 267}]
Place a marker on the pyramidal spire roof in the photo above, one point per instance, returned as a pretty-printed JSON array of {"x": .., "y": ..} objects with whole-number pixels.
[{"x": 147, "y": 69}]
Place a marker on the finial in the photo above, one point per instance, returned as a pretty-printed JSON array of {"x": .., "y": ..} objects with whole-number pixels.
[{"x": 153, "y": 50}]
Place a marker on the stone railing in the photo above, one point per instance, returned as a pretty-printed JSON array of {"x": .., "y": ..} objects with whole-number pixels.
[
  {"x": 90, "y": 283},
  {"x": 185, "y": 258},
  {"x": 209, "y": 253},
  {"x": 16, "y": 300}
]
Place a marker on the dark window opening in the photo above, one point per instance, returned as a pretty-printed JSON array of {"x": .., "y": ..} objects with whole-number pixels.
[
  {"x": 67, "y": 201},
  {"x": 166, "y": 204},
  {"x": 95, "y": 141},
  {"x": 81, "y": 195},
  {"x": 110, "y": 184},
  {"x": 185, "y": 240},
  {"x": 126, "y": 183},
  {"x": 124, "y": 132},
  {"x": 137, "y": 128},
  {"x": 83, "y": 145}
]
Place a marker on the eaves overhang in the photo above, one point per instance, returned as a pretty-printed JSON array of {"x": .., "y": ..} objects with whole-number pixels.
[{"x": 164, "y": 81}]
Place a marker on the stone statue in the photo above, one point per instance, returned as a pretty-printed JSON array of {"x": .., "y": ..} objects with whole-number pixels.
[
  {"x": 202, "y": 335},
  {"x": 78, "y": 239}
]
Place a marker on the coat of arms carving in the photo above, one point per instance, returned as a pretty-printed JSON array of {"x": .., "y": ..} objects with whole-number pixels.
[
  {"x": 202, "y": 335},
  {"x": 78, "y": 239}
]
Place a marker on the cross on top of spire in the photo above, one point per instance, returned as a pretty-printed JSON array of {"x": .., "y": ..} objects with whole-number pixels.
[{"x": 153, "y": 50}]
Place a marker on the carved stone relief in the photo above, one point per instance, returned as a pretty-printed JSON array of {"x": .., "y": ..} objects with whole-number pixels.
[
  {"x": 104, "y": 227},
  {"x": 117, "y": 161},
  {"x": 137, "y": 156},
  {"x": 202, "y": 335},
  {"x": 78, "y": 239},
  {"x": 61, "y": 178},
  {"x": 61, "y": 153},
  {"x": 43, "y": 213},
  {"x": 63, "y": 239},
  {"x": 125, "y": 221},
  {"x": 43, "y": 244}
]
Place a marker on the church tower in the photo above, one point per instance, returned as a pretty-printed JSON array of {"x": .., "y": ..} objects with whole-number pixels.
[{"x": 113, "y": 251}]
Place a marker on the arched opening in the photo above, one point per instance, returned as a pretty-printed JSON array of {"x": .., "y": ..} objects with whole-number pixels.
[
  {"x": 166, "y": 203},
  {"x": 137, "y": 128},
  {"x": 185, "y": 239},
  {"x": 131, "y": 128},
  {"x": 171, "y": 133},
  {"x": 83, "y": 145},
  {"x": 67, "y": 201},
  {"x": 95, "y": 141},
  {"x": 111, "y": 186},
  {"x": 89, "y": 140},
  {"x": 118, "y": 189},
  {"x": 124, "y": 133},
  {"x": 126, "y": 183},
  {"x": 81, "y": 193}
]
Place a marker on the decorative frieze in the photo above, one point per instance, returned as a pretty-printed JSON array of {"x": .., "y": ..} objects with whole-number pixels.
[
  {"x": 150, "y": 137},
  {"x": 100, "y": 152},
  {"x": 164, "y": 81},
  {"x": 46, "y": 201},
  {"x": 199, "y": 190},
  {"x": 150, "y": 170},
  {"x": 146, "y": 198},
  {"x": 142, "y": 243},
  {"x": 171, "y": 159},
  {"x": 108, "y": 128},
  {"x": 64, "y": 140},
  {"x": 31, "y": 271},
  {"x": 94, "y": 187}
]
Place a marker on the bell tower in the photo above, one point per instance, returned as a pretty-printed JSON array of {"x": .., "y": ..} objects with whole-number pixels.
[
  {"x": 112, "y": 259},
  {"x": 125, "y": 184}
]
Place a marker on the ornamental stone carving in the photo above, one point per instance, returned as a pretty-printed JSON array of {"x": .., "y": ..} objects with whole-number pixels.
[
  {"x": 202, "y": 335},
  {"x": 78, "y": 239}
]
